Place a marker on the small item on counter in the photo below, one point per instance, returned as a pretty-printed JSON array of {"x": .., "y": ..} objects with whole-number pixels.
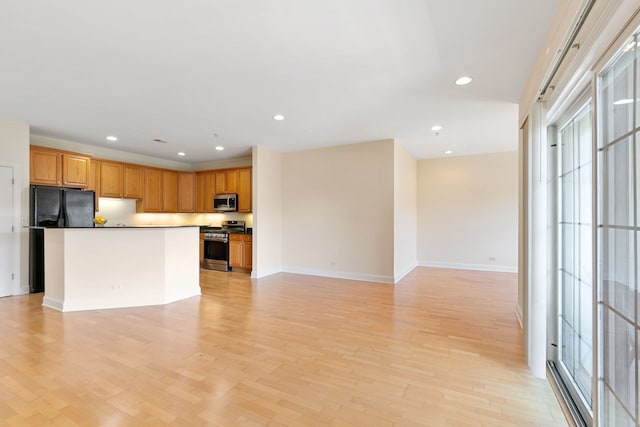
[{"x": 100, "y": 221}]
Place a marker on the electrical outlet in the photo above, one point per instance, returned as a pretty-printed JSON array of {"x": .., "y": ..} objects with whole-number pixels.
[{"x": 492, "y": 258}]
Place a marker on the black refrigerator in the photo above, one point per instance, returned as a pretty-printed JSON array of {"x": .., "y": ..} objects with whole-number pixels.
[{"x": 56, "y": 208}]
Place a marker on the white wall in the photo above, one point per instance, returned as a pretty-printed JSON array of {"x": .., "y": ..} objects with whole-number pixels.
[
  {"x": 405, "y": 223},
  {"x": 267, "y": 202},
  {"x": 14, "y": 151},
  {"x": 337, "y": 210},
  {"x": 122, "y": 212},
  {"x": 468, "y": 212}
]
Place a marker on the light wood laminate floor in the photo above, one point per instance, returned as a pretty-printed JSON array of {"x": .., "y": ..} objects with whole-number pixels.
[{"x": 443, "y": 347}]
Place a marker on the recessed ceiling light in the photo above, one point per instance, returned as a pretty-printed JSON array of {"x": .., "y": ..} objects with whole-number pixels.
[
  {"x": 464, "y": 80},
  {"x": 219, "y": 147},
  {"x": 181, "y": 154},
  {"x": 112, "y": 138},
  {"x": 448, "y": 152},
  {"x": 278, "y": 117},
  {"x": 436, "y": 128},
  {"x": 623, "y": 101}
]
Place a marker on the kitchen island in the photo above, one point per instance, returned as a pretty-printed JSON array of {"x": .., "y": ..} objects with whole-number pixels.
[{"x": 112, "y": 267}]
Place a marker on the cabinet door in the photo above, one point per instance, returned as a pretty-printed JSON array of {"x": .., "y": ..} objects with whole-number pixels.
[
  {"x": 231, "y": 181},
  {"x": 75, "y": 170},
  {"x": 200, "y": 205},
  {"x": 152, "y": 196},
  {"x": 44, "y": 166},
  {"x": 133, "y": 176},
  {"x": 186, "y": 191},
  {"x": 247, "y": 254},
  {"x": 169, "y": 191},
  {"x": 244, "y": 190},
  {"x": 209, "y": 190},
  {"x": 220, "y": 182},
  {"x": 235, "y": 253},
  {"x": 110, "y": 179}
]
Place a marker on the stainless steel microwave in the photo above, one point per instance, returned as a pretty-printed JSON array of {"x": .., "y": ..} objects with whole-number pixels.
[{"x": 225, "y": 202}]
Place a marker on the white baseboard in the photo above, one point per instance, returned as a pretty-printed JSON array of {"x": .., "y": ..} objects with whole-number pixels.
[
  {"x": 83, "y": 304},
  {"x": 519, "y": 316},
  {"x": 264, "y": 273},
  {"x": 408, "y": 270},
  {"x": 339, "y": 275},
  {"x": 462, "y": 266},
  {"x": 53, "y": 303}
]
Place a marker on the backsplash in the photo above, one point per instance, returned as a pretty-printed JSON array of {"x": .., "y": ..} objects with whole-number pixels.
[{"x": 122, "y": 212}]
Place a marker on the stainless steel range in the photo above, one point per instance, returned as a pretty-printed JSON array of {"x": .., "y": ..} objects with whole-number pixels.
[{"x": 216, "y": 244}]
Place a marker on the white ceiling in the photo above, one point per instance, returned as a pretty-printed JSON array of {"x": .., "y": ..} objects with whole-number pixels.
[{"x": 341, "y": 71}]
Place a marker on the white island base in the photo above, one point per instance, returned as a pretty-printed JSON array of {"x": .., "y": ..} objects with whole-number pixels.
[{"x": 97, "y": 268}]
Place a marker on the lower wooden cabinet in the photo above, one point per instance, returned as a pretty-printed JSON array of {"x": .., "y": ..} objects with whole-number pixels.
[
  {"x": 247, "y": 253},
  {"x": 240, "y": 251}
]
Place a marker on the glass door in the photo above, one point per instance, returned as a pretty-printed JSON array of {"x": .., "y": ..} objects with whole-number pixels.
[
  {"x": 575, "y": 258},
  {"x": 618, "y": 227}
]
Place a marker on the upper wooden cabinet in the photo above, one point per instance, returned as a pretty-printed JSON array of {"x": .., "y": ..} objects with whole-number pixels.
[
  {"x": 59, "y": 168},
  {"x": 157, "y": 190},
  {"x": 244, "y": 190},
  {"x": 220, "y": 182},
  {"x": 210, "y": 183},
  {"x": 160, "y": 191},
  {"x": 226, "y": 181},
  {"x": 94, "y": 178},
  {"x": 75, "y": 170},
  {"x": 200, "y": 203},
  {"x": 186, "y": 192},
  {"x": 120, "y": 180},
  {"x": 45, "y": 166},
  {"x": 152, "y": 196},
  {"x": 205, "y": 190},
  {"x": 111, "y": 179},
  {"x": 132, "y": 177},
  {"x": 169, "y": 191}
]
